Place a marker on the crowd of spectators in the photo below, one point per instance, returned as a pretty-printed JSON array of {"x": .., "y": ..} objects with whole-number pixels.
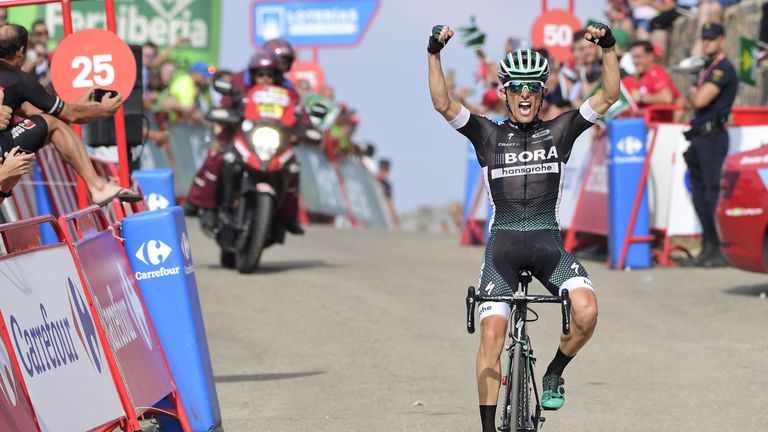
[{"x": 641, "y": 29}]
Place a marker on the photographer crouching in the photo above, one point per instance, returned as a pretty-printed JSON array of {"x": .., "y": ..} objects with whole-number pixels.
[{"x": 711, "y": 97}]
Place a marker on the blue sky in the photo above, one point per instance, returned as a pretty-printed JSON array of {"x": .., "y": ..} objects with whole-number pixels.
[{"x": 385, "y": 79}]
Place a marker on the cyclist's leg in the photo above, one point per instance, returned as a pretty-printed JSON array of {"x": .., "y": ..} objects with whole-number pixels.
[
  {"x": 557, "y": 270},
  {"x": 493, "y": 326}
]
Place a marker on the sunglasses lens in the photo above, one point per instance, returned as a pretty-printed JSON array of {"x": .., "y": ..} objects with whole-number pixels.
[{"x": 532, "y": 86}]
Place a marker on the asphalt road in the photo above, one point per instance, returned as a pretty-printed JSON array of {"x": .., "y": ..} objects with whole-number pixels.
[{"x": 356, "y": 330}]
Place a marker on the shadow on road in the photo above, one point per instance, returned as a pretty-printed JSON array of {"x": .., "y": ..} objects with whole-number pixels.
[
  {"x": 749, "y": 290},
  {"x": 281, "y": 266},
  {"x": 264, "y": 377}
]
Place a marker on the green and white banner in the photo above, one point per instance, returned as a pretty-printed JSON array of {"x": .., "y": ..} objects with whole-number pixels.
[{"x": 161, "y": 22}]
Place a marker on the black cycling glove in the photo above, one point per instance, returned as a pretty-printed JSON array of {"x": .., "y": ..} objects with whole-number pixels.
[
  {"x": 435, "y": 45},
  {"x": 606, "y": 41}
]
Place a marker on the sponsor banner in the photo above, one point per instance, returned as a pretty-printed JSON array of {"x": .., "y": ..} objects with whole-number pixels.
[
  {"x": 121, "y": 309},
  {"x": 320, "y": 189},
  {"x": 669, "y": 196},
  {"x": 161, "y": 22},
  {"x": 15, "y": 411},
  {"x": 56, "y": 342},
  {"x": 365, "y": 195},
  {"x": 312, "y": 23}
]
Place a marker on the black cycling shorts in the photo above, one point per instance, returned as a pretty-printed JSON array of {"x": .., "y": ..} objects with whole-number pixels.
[
  {"x": 541, "y": 252},
  {"x": 29, "y": 135}
]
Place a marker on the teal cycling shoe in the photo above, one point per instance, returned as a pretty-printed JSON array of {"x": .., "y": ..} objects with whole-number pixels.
[{"x": 553, "y": 397}]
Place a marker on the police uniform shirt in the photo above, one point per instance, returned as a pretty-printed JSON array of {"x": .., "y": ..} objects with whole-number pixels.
[{"x": 723, "y": 75}]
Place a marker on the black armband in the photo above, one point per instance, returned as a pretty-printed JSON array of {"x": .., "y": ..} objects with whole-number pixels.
[
  {"x": 435, "y": 45},
  {"x": 606, "y": 41},
  {"x": 6, "y": 194}
]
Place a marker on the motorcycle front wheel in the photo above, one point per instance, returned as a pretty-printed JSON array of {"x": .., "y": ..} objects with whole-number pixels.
[{"x": 259, "y": 210}]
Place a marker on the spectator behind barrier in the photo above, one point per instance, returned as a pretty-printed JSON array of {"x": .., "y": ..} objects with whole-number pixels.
[
  {"x": 651, "y": 84},
  {"x": 642, "y": 13},
  {"x": 386, "y": 186},
  {"x": 47, "y": 114},
  {"x": 586, "y": 56}
]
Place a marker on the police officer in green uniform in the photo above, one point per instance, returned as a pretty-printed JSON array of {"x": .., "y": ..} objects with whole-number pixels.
[{"x": 711, "y": 98}]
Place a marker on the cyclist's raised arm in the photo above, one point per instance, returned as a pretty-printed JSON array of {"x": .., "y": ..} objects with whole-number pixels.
[
  {"x": 438, "y": 88},
  {"x": 601, "y": 35}
]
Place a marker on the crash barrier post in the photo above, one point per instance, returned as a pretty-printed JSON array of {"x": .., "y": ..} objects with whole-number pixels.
[
  {"x": 156, "y": 187},
  {"x": 54, "y": 333},
  {"x": 585, "y": 193},
  {"x": 629, "y": 238},
  {"x": 135, "y": 350},
  {"x": 475, "y": 215},
  {"x": 160, "y": 255}
]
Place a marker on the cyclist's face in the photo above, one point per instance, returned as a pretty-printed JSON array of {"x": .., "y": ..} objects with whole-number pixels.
[{"x": 524, "y": 100}]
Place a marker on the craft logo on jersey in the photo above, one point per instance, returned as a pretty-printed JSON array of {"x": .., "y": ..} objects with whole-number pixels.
[
  {"x": 155, "y": 252},
  {"x": 7, "y": 379},
  {"x": 135, "y": 308}
]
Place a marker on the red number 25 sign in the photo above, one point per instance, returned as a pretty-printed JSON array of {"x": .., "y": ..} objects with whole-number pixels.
[{"x": 92, "y": 58}]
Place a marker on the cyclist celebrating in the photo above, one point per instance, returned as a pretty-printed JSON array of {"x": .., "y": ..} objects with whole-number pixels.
[{"x": 522, "y": 160}]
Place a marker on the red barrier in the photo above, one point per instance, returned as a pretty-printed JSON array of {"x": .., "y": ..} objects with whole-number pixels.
[
  {"x": 135, "y": 349},
  {"x": 54, "y": 334},
  {"x": 591, "y": 212}
]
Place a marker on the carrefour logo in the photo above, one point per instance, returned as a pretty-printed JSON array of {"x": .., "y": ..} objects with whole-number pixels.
[
  {"x": 157, "y": 201},
  {"x": 84, "y": 326},
  {"x": 156, "y": 252},
  {"x": 7, "y": 380},
  {"x": 49, "y": 344},
  {"x": 630, "y": 145}
]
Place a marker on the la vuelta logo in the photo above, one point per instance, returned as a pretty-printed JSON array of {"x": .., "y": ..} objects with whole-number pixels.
[{"x": 84, "y": 326}]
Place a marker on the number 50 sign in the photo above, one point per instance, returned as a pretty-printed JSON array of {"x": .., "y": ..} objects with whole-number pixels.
[
  {"x": 92, "y": 58},
  {"x": 554, "y": 31}
]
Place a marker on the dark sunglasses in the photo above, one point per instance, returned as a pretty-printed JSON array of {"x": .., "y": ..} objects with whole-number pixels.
[
  {"x": 40, "y": 33},
  {"x": 262, "y": 73},
  {"x": 518, "y": 86}
]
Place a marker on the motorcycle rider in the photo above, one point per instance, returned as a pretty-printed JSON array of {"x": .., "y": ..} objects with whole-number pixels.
[{"x": 264, "y": 68}]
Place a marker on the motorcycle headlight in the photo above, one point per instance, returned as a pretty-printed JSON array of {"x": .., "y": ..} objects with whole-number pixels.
[{"x": 265, "y": 142}]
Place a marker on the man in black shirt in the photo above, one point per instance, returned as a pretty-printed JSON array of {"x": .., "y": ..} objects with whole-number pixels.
[
  {"x": 711, "y": 97},
  {"x": 46, "y": 117}
]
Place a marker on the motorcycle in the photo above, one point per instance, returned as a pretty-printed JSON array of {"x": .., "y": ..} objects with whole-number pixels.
[{"x": 257, "y": 169}]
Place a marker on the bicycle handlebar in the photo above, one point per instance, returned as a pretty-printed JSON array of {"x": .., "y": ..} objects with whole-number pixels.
[{"x": 564, "y": 299}]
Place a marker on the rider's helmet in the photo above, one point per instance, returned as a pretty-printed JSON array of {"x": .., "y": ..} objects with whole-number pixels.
[
  {"x": 264, "y": 59},
  {"x": 284, "y": 50},
  {"x": 523, "y": 64}
]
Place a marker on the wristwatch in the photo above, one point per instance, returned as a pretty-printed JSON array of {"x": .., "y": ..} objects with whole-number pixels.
[{"x": 6, "y": 194}]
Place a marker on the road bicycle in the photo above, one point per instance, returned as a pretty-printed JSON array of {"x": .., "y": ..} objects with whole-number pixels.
[{"x": 521, "y": 411}]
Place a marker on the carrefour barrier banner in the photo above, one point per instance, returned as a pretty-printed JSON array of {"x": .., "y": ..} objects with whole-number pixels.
[
  {"x": 161, "y": 22},
  {"x": 625, "y": 168},
  {"x": 365, "y": 195},
  {"x": 55, "y": 341},
  {"x": 15, "y": 411},
  {"x": 669, "y": 194},
  {"x": 128, "y": 328},
  {"x": 320, "y": 189}
]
